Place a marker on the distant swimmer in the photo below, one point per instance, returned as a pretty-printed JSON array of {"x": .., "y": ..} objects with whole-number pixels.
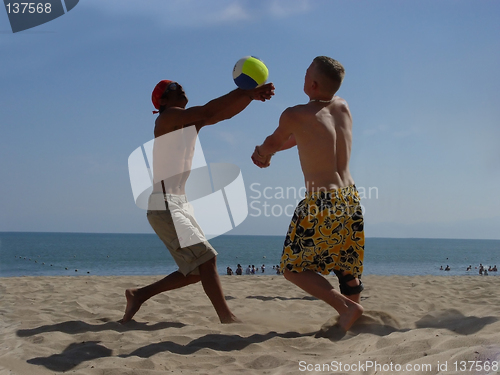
[{"x": 239, "y": 269}]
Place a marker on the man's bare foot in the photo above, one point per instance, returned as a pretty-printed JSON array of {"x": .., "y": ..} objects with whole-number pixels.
[
  {"x": 336, "y": 328},
  {"x": 230, "y": 319},
  {"x": 133, "y": 305},
  {"x": 333, "y": 332},
  {"x": 347, "y": 318}
]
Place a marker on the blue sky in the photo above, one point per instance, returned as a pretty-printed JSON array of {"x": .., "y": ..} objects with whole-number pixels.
[{"x": 422, "y": 82}]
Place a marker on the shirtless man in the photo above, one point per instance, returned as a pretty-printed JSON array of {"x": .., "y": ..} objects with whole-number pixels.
[
  {"x": 326, "y": 231},
  {"x": 169, "y": 212}
]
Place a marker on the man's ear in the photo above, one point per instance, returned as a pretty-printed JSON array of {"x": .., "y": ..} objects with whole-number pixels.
[{"x": 163, "y": 101}]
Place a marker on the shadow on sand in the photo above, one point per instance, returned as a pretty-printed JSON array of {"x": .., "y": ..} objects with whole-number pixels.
[
  {"x": 77, "y": 326},
  {"x": 77, "y": 353}
]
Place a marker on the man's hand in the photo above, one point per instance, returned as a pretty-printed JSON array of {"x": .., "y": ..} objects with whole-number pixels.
[
  {"x": 261, "y": 161},
  {"x": 262, "y": 93}
]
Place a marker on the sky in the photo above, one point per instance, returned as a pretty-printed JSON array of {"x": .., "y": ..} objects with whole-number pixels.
[{"x": 422, "y": 82}]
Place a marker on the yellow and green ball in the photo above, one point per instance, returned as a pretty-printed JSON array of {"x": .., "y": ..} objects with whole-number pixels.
[{"x": 250, "y": 72}]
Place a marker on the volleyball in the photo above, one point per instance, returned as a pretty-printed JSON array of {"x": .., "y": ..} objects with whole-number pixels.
[{"x": 250, "y": 72}]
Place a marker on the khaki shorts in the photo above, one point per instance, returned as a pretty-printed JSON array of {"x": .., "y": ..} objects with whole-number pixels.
[{"x": 189, "y": 258}]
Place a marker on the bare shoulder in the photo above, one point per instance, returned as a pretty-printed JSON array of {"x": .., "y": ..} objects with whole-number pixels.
[
  {"x": 175, "y": 118},
  {"x": 341, "y": 112},
  {"x": 294, "y": 116},
  {"x": 289, "y": 114},
  {"x": 167, "y": 121},
  {"x": 340, "y": 104},
  {"x": 296, "y": 111}
]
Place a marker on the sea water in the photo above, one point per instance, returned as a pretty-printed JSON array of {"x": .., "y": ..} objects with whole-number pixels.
[{"x": 55, "y": 254}]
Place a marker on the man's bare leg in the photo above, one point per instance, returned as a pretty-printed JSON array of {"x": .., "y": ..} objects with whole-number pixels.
[
  {"x": 136, "y": 297},
  {"x": 213, "y": 289},
  {"x": 319, "y": 287}
]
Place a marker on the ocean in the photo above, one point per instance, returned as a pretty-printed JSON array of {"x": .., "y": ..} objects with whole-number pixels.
[{"x": 77, "y": 254}]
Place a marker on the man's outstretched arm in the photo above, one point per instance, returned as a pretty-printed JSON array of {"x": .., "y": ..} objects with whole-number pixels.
[
  {"x": 229, "y": 105},
  {"x": 281, "y": 139},
  {"x": 214, "y": 111}
]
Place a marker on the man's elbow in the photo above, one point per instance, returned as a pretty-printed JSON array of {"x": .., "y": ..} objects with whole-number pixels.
[{"x": 273, "y": 143}]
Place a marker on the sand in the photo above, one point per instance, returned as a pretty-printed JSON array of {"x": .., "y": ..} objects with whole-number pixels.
[{"x": 411, "y": 325}]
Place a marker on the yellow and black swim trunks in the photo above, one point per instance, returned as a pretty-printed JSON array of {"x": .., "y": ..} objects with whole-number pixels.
[{"x": 326, "y": 234}]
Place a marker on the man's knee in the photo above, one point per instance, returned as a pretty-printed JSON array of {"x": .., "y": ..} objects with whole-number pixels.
[
  {"x": 286, "y": 274},
  {"x": 208, "y": 266},
  {"x": 212, "y": 261},
  {"x": 289, "y": 275}
]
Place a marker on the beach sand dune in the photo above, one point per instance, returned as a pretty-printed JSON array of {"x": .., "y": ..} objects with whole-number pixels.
[{"x": 424, "y": 324}]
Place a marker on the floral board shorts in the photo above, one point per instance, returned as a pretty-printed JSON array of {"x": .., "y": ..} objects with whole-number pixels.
[{"x": 326, "y": 234}]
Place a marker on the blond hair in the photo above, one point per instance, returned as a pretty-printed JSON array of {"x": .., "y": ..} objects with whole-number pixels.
[{"x": 332, "y": 70}]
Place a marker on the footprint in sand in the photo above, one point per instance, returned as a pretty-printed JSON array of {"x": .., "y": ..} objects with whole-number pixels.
[{"x": 375, "y": 322}]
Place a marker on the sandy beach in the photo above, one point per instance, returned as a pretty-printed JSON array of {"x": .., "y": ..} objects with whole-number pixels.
[{"x": 415, "y": 325}]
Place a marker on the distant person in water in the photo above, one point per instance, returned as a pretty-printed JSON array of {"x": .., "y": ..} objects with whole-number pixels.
[{"x": 239, "y": 269}]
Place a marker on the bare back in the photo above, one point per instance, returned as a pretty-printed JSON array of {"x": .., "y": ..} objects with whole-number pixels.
[{"x": 323, "y": 132}]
